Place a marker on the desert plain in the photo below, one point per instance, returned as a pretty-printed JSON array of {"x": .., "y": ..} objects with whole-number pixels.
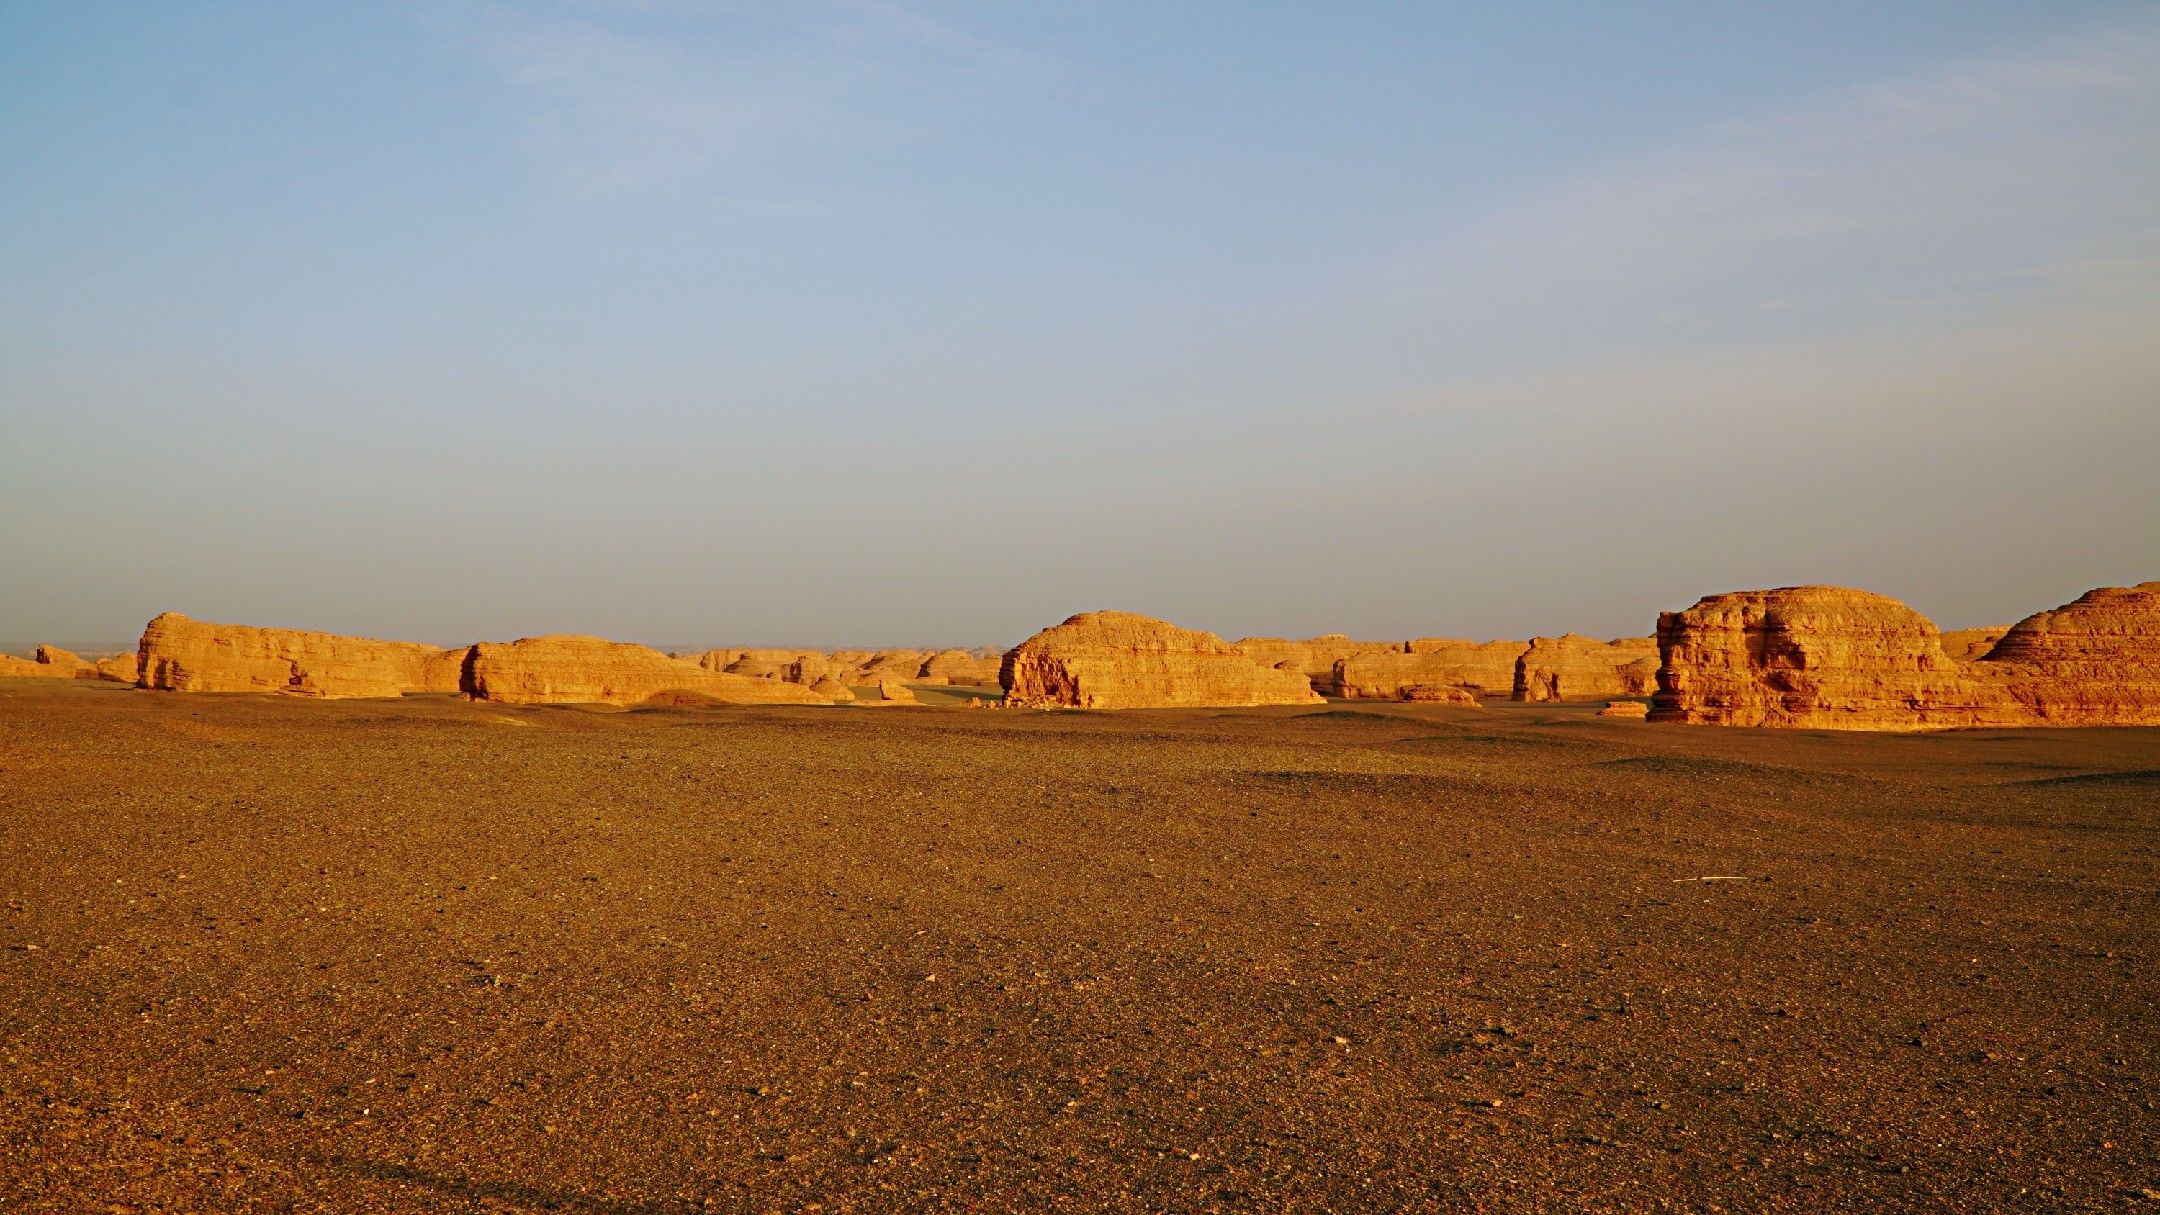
[{"x": 265, "y": 953}]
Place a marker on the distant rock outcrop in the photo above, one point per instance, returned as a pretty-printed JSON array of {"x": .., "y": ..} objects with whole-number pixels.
[
  {"x": 1315, "y": 658},
  {"x": 13, "y": 667},
  {"x": 1971, "y": 645},
  {"x": 1445, "y": 694},
  {"x": 566, "y": 669},
  {"x": 961, "y": 668},
  {"x": 1634, "y": 709},
  {"x": 1487, "y": 668},
  {"x": 1573, "y": 667},
  {"x": 121, "y": 668},
  {"x": 183, "y": 655},
  {"x": 1118, "y": 660}
]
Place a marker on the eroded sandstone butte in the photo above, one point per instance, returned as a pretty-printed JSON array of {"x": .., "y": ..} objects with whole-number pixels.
[
  {"x": 1832, "y": 658},
  {"x": 1119, "y": 660},
  {"x": 1315, "y": 657},
  {"x": 1574, "y": 667},
  {"x": 1816, "y": 657},
  {"x": 1486, "y": 668},
  {"x": 2094, "y": 661},
  {"x": 567, "y": 669},
  {"x": 183, "y": 655},
  {"x": 1971, "y": 645}
]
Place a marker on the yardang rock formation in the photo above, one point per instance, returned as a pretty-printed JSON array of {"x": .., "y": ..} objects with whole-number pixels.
[
  {"x": 1823, "y": 657},
  {"x": 1118, "y": 660}
]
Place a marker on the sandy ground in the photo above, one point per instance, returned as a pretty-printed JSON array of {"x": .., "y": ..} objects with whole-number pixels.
[{"x": 420, "y": 956}]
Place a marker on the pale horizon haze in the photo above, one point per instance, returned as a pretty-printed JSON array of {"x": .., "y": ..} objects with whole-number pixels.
[{"x": 869, "y": 323}]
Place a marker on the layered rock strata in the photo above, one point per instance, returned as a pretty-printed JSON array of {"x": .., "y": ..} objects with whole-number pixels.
[
  {"x": 1118, "y": 660},
  {"x": 567, "y": 669},
  {"x": 178, "y": 654},
  {"x": 1573, "y": 667}
]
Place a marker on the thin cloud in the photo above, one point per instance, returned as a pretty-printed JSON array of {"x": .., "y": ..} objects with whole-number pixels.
[{"x": 628, "y": 95}]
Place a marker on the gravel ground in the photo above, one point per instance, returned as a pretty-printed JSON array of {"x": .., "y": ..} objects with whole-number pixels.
[{"x": 422, "y": 956}]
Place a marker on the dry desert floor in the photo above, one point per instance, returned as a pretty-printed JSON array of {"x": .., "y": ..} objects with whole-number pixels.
[{"x": 427, "y": 955}]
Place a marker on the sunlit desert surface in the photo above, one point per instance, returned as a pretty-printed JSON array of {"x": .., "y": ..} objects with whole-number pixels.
[{"x": 429, "y": 955}]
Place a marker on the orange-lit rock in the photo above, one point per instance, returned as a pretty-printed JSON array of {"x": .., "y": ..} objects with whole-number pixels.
[
  {"x": 1574, "y": 667},
  {"x": 1118, "y": 660},
  {"x": 1485, "y": 667},
  {"x": 13, "y": 667},
  {"x": 566, "y": 669},
  {"x": 1814, "y": 657},
  {"x": 121, "y": 668},
  {"x": 1971, "y": 645},
  {"x": 1634, "y": 709},
  {"x": 2091, "y": 662},
  {"x": 1445, "y": 694},
  {"x": 962, "y": 668},
  {"x": 1315, "y": 658},
  {"x": 183, "y": 655}
]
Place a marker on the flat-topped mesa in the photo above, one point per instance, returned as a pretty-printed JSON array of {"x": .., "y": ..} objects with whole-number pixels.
[
  {"x": 182, "y": 655},
  {"x": 1486, "y": 668},
  {"x": 1814, "y": 657},
  {"x": 1573, "y": 667},
  {"x": 1118, "y": 660},
  {"x": 2094, "y": 661},
  {"x": 566, "y": 669},
  {"x": 1315, "y": 657}
]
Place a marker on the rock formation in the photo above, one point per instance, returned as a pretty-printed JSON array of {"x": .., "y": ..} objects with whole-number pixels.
[
  {"x": 1573, "y": 667},
  {"x": 1446, "y": 694},
  {"x": 52, "y": 662},
  {"x": 893, "y": 692},
  {"x": 1118, "y": 660},
  {"x": 121, "y": 668},
  {"x": 1830, "y": 658},
  {"x": 1817, "y": 657},
  {"x": 1634, "y": 709},
  {"x": 2094, "y": 661},
  {"x": 833, "y": 690},
  {"x": 1315, "y": 658},
  {"x": 565, "y": 669},
  {"x": 182, "y": 655},
  {"x": 1971, "y": 645},
  {"x": 1485, "y": 667},
  {"x": 13, "y": 667},
  {"x": 960, "y": 667}
]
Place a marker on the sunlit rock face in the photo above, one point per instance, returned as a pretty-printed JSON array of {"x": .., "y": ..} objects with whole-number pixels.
[{"x": 1118, "y": 660}]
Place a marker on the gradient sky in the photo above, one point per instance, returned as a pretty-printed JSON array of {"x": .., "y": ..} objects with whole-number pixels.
[{"x": 886, "y": 323}]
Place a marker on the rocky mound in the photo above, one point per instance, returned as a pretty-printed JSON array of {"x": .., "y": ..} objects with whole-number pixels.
[
  {"x": 1444, "y": 694},
  {"x": 183, "y": 655},
  {"x": 567, "y": 669},
  {"x": 961, "y": 668},
  {"x": 1315, "y": 658},
  {"x": 1485, "y": 667},
  {"x": 1573, "y": 667},
  {"x": 1816, "y": 657},
  {"x": 121, "y": 668},
  {"x": 1971, "y": 645},
  {"x": 1625, "y": 708},
  {"x": 2095, "y": 661},
  {"x": 1118, "y": 660}
]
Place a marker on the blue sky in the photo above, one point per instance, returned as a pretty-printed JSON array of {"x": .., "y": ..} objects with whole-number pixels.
[{"x": 867, "y": 323}]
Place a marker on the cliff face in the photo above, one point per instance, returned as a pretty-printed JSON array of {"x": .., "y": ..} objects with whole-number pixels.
[
  {"x": 1831, "y": 658},
  {"x": 182, "y": 655},
  {"x": 1314, "y": 658},
  {"x": 1485, "y": 668},
  {"x": 1573, "y": 667},
  {"x": 566, "y": 669},
  {"x": 2094, "y": 661},
  {"x": 1117, "y": 660},
  {"x": 1815, "y": 657}
]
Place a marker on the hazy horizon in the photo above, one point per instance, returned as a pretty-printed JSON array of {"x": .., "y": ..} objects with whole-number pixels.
[{"x": 871, "y": 324}]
